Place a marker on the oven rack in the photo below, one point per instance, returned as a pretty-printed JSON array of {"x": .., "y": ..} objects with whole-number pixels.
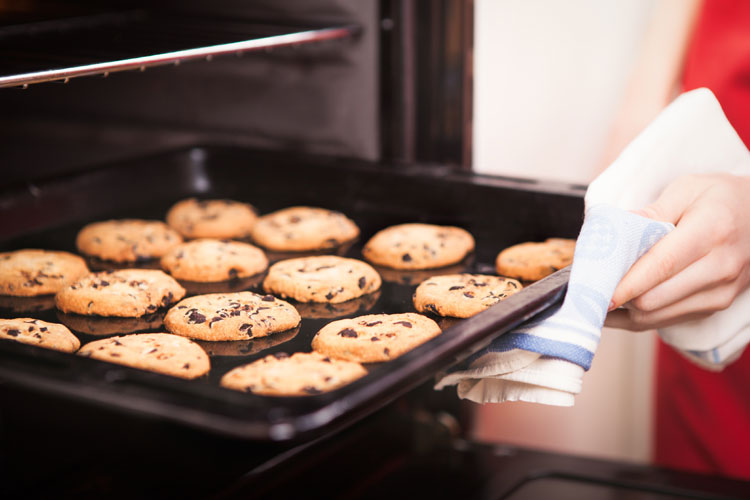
[{"x": 99, "y": 44}]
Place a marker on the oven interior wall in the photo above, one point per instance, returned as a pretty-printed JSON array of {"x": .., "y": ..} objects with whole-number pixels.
[{"x": 320, "y": 98}]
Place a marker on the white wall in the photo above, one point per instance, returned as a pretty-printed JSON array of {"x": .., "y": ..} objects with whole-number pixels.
[{"x": 548, "y": 78}]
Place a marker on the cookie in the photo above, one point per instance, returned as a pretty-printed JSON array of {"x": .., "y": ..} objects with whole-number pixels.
[
  {"x": 462, "y": 295},
  {"x": 321, "y": 279},
  {"x": 246, "y": 347},
  {"x": 374, "y": 337},
  {"x": 221, "y": 219},
  {"x": 533, "y": 261},
  {"x": 298, "y": 229},
  {"x": 207, "y": 260},
  {"x": 29, "y": 272},
  {"x": 39, "y": 333},
  {"x": 127, "y": 240},
  {"x": 301, "y": 374},
  {"x": 154, "y": 352},
  {"x": 126, "y": 293},
  {"x": 100, "y": 326},
  {"x": 231, "y": 316},
  {"x": 418, "y": 246}
]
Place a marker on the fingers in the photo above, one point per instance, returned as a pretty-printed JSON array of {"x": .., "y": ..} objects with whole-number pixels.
[
  {"x": 707, "y": 272},
  {"x": 697, "y": 306},
  {"x": 673, "y": 253}
]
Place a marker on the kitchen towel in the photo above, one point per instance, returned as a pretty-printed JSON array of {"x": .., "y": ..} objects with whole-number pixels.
[{"x": 543, "y": 361}]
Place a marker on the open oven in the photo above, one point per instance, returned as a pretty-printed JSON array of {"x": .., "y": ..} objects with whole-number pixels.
[{"x": 360, "y": 107}]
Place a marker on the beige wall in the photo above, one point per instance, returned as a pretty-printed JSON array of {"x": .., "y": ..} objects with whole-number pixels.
[{"x": 548, "y": 78}]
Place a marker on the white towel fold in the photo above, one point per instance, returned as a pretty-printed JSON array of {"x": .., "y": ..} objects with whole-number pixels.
[{"x": 543, "y": 361}]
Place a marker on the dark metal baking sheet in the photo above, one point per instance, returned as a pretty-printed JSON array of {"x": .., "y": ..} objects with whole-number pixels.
[{"x": 498, "y": 212}]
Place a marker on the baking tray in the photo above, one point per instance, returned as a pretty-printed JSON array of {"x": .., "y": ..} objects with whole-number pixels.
[{"x": 497, "y": 211}]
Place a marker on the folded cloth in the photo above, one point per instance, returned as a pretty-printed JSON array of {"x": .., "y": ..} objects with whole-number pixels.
[{"x": 543, "y": 361}]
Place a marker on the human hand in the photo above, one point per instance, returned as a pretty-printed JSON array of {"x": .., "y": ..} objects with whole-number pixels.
[{"x": 697, "y": 269}]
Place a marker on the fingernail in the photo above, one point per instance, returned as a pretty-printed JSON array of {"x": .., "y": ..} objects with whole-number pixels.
[{"x": 611, "y": 305}]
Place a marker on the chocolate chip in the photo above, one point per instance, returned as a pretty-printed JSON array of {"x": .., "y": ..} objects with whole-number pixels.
[
  {"x": 246, "y": 327},
  {"x": 362, "y": 282},
  {"x": 186, "y": 366},
  {"x": 457, "y": 287},
  {"x": 387, "y": 351},
  {"x": 405, "y": 323},
  {"x": 214, "y": 320},
  {"x": 431, "y": 308},
  {"x": 374, "y": 339},
  {"x": 373, "y": 323},
  {"x": 406, "y": 257},
  {"x": 168, "y": 299},
  {"x": 13, "y": 332},
  {"x": 116, "y": 342},
  {"x": 268, "y": 298},
  {"x": 327, "y": 359},
  {"x": 196, "y": 317},
  {"x": 114, "y": 354},
  {"x": 43, "y": 329},
  {"x": 330, "y": 295},
  {"x": 469, "y": 294},
  {"x": 233, "y": 272},
  {"x": 349, "y": 333}
]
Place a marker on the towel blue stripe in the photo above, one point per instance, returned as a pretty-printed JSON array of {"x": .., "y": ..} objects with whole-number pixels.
[
  {"x": 551, "y": 348},
  {"x": 559, "y": 325}
]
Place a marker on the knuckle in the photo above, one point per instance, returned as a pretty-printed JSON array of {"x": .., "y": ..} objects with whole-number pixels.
[
  {"x": 724, "y": 298},
  {"x": 645, "y": 303},
  {"x": 665, "y": 266},
  {"x": 724, "y": 226},
  {"x": 730, "y": 268}
]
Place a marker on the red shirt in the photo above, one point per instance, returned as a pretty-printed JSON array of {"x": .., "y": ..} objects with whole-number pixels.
[{"x": 702, "y": 417}]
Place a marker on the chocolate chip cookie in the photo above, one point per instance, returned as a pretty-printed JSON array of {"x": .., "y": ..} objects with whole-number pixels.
[
  {"x": 462, "y": 295},
  {"x": 126, "y": 293},
  {"x": 155, "y": 352},
  {"x": 301, "y": 374},
  {"x": 299, "y": 229},
  {"x": 231, "y": 316},
  {"x": 31, "y": 272},
  {"x": 374, "y": 337},
  {"x": 326, "y": 278},
  {"x": 533, "y": 261},
  {"x": 221, "y": 219},
  {"x": 127, "y": 240},
  {"x": 210, "y": 260},
  {"x": 418, "y": 246},
  {"x": 39, "y": 333}
]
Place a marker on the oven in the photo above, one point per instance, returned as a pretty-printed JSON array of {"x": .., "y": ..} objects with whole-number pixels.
[{"x": 363, "y": 107}]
